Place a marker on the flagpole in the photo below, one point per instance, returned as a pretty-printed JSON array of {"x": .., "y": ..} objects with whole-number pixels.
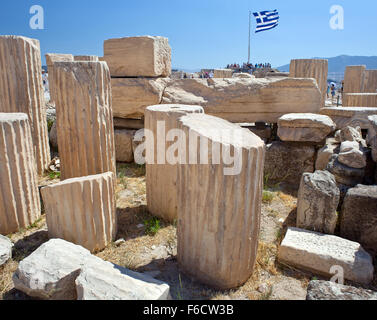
[{"x": 248, "y": 57}]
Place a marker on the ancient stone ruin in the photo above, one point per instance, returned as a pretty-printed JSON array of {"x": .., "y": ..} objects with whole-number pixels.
[
  {"x": 164, "y": 187},
  {"x": 21, "y": 90}
]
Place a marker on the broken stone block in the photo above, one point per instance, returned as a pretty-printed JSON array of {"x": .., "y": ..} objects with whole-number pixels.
[
  {"x": 60, "y": 270},
  {"x": 317, "y": 203},
  {"x": 246, "y": 100},
  {"x": 19, "y": 196},
  {"x": 324, "y": 154},
  {"x": 51, "y": 270},
  {"x": 359, "y": 216},
  {"x": 144, "y": 56},
  {"x": 350, "y": 134},
  {"x": 21, "y": 90},
  {"x": 318, "y": 253},
  {"x": 349, "y": 116},
  {"x": 84, "y": 118},
  {"x": 344, "y": 174},
  {"x": 352, "y": 155},
  {"x": 160, "y": 120},
  {"x": 304, "y": 127},
  {"x": 105, "y": 281},
  {"x": 311, "y": 68},
  {"x": 123, "y": 145},
  {"x": 327, "y": 290},
  {"x": 286, "y": 162},
  {"x": 218, "y": 234},
  {"x": 132, "y": 95},
  {"x": 82, "y": 210},
  {"x": 5, "y": 249}
]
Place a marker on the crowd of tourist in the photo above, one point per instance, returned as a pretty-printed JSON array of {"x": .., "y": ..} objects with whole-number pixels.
[{"x": 249, "y": 66}]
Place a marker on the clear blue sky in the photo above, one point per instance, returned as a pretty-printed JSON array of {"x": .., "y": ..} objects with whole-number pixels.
[{"x": 202, "y": 33}]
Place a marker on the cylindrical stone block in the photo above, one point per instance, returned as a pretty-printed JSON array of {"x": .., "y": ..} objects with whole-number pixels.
[
  {"x": 19, "y": 196},
  {"x": 82, "y": 210},
  {"x": 311, "y": 68},
  {"x": 84, "y": 118},
  {"x": 21, "y": 90},
  {"x": 159, "y": 121},
  {"x": 219, "y": 208}
]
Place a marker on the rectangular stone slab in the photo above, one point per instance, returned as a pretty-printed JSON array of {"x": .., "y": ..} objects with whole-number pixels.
[
  {"x": 144, "y": 56},
  {"x": 233, "y": 99},
  {"x": 82, "y": 210},
  {"x": 360, "y": 100},
  {"x": 318, "y": 253},
  {"x": 132, "y": 95},
  {"x": 349, "y": 116}
]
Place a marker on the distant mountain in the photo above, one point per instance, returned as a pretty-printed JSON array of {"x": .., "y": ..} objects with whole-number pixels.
[{"x": 338, "y": 64}]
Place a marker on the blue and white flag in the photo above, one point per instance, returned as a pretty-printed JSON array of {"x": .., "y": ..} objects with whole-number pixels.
[{"x": 266, "y": 20}]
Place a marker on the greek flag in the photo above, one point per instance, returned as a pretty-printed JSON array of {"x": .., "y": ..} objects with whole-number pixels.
[{"x": 266, "y": 20}]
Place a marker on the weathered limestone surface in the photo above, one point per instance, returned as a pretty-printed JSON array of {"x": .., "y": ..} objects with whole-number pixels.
[
  {"x": 86, "y": 58},
  {"x": 344, "y": 174},
  {"x": 324, "y": 154},
  {"x": 370, "y": 81},
  {"x": 105, "y": 281},
  {"x": 144, "y": 56},
  {"x": 359, "y": 216},
  {"x": 132, "y": 96},
  {"x": 246, "y": 100},
  {"x": 372, "y": 136},
  {"x": 327, "y": 290},
  {"x": 354, "y": 79},
  {"x": 311, "y": 68},
  {"x": 52, "y": 271},
  {"x": 318, "y": 253},
  {"x": 82, "y": 210},
  {"x": 163, "y": 202},
  {"x": 219, "y": 210},
  {"x": 19, "y": 197},
  {"x": 352, "y": 155},
  {"x": 51, "y": 58},
  {"x": 223, "y": 73},
  {"x": 21, "y": 90},
  {"x": 123, "y": 145},
  {"x": 5, "y": 249},
  {"x": 304, "y": 127},
  {"x": 317, "y": 202},
  {"x": 352, "y": 134},
  {"x": 368, "y": 100},
  {"x": 286, "y": 162},
  {"x": 84, "y": 118},
  {"x": 349, "y": 116}
]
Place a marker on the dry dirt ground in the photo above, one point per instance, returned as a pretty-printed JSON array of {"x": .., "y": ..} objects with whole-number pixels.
[{"x": 156, "y": 254}]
